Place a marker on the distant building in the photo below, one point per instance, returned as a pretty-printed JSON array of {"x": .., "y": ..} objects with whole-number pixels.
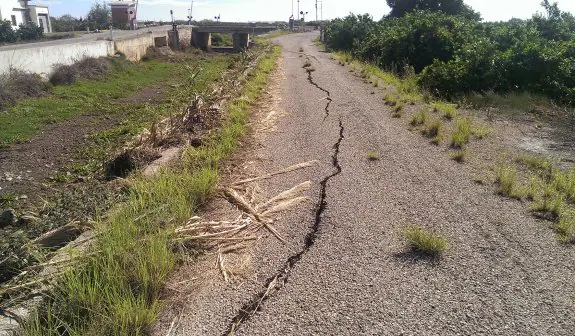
[
  {"x": 124, "y": 13},
  {"x": 20, "y": 11}
]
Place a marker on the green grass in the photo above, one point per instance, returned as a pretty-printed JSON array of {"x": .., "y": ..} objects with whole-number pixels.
[
  {"x": 479, "y": 131},
  {"x": 461, "y": 134},
  {"x": 420, "y": 118},
  {"x": 432, "y": 128},
  {"x": 565, "y": 227},
  {"x": 449, "y": 111},
  {"x": 29, "y": 117},
  {"x": 373, "y": 156},
  {"x": 391, "y": 100},
  {"x": 424, "y": 241},
  {"x": 506, "y": 178},
  {"x": 116, "y": 291}
]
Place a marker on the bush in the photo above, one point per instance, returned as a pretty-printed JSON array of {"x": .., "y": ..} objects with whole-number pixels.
[
  {"x": 30, "y": 31},
  {"x": 7, "y": 34},
  {"x": 87, "y": 68},
  {"x": 18, "y": 84},
  {"x": 222, "y": 40},
  {"x": 453, "y": 55}
]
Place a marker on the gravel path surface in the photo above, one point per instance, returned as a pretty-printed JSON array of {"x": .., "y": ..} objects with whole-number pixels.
[{"x": 504, "y": 274}]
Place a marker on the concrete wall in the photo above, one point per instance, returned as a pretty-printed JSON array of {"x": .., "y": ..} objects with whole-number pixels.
[
  {"x": 136, "y": 47},
  {"x": 185, "y": 38},
  {"x": 42, "y": 60}
]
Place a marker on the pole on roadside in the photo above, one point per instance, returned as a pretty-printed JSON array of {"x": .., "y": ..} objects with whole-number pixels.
[
  {"x": 316, "y": 11},
  {"x": 298, "y": 10}
]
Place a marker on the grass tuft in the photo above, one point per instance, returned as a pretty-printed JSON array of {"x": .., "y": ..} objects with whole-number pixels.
[
  {"x": 449, "y": 111},
  {"x": 424, "y": 241},
  {"x": 420, "y": 118},
  {"x": 459, "y": 156},
  {"x": 462, "y": 133},
  {"x": 373, "y": 156},
  {"x": 506, "y": 178},
  {"x": 432, "y": 128}
]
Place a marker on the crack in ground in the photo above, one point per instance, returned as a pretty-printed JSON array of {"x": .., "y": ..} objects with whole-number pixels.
[
  {"x": 329, "y": 100},
  {"x": 278, "y": 281}
]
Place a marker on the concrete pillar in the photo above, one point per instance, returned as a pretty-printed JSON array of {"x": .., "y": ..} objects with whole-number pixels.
[
  {"x": 202, "y": 40},
  {"x": 174, "y": 39},
  {"x": 241, "y": 41}
]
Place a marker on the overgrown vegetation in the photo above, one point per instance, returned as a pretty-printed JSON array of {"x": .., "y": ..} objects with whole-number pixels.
[
  {"x": 28, "y": 117},
  {"x": 84, "y": 69},
  {"x": 222, "y": 40},
  {"x": 424, "y": 241},
  {"x": 25, "y": 32},
  {"x": 453, "y": 53},
  {"x": 78, "y": 189},
  {"x": 17, "y": 84},
  {"x": 550, "y": 189},
  {"x": 115, "y": 291}
]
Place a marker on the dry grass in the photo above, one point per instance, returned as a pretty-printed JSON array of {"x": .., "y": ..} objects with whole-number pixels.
[
  {"x": 85, "y": 69},
  {"x": 17, "y": 85}
]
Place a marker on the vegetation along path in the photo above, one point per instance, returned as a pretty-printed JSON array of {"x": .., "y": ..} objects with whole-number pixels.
[{"x": 397, "y": 238}]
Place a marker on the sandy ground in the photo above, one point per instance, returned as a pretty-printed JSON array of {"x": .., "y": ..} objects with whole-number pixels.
[{"x": 345, "y": 269}]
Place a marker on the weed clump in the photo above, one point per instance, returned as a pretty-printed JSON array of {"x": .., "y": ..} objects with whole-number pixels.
[
  {"x": 462, "y": 133},
  {"x": 459, "y": 156},
  {"x": 449, "y": 111},
  {"x": 373, "y": 156},
  {"x": 432, "y": 128},
  {"x": 424, "y": 241},
  {"x": 419, "y": 118},
  {"x": 506, "y": 178},
  {"x": 18, "y": 84},
  {"x": 85, "y": 69}
]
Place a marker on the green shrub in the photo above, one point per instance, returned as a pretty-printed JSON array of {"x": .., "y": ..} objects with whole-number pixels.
[
  {"x": 30, "y": 31},
  {"x": 7, "y": 34},
  {"x": 453, "y": 55},
  {"x": 222, "y": 40}
]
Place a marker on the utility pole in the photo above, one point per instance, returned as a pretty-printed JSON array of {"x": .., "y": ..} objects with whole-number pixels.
[
  {"x": 316, "y": 11},
  {"x": 298, "y": 10},
  {"x": 292, "y": 8},
  {"x": 191, "y": 12}
]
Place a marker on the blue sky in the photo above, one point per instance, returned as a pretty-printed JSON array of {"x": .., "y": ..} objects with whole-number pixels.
[{"x": 270, "y": 10}]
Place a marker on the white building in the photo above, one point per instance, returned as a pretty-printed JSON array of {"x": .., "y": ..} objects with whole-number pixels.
[{"x": 17, "y": 11}]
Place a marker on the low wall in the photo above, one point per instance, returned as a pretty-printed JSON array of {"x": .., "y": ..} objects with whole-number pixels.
[
  {"x": 134, "y": 48},
  {"x": 42, "y": 60}
]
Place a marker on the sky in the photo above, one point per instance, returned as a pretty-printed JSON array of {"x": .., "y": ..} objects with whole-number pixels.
[{"x": 272, "y": 10}]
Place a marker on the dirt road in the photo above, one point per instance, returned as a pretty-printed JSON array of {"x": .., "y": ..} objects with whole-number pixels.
[{"x": 345, "y": 269}]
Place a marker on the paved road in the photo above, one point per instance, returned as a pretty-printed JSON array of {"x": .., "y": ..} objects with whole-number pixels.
[
  {"x": 345, "y": 269},
  {"x": 86, "y": 38}
]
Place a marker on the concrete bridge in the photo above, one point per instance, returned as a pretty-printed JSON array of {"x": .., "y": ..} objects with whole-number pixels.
[{"x": 202, "y": 36}]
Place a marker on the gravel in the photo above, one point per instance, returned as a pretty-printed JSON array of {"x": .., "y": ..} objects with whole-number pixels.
[{"x": 504, "y": 273}]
